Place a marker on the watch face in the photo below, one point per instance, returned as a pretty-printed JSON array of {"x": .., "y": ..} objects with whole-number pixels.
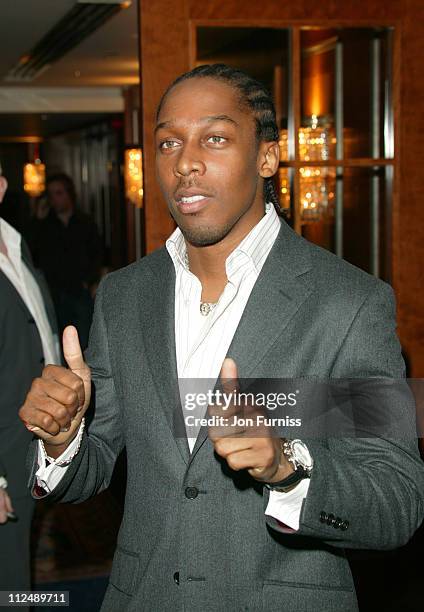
[{"x": 301, "y": 454}]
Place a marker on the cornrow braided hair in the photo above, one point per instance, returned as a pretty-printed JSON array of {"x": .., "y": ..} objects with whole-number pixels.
[{"x": 255, "y": 96}]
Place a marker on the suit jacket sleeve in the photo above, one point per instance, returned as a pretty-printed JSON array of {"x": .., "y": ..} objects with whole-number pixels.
[
  {"x": 375, "y": 485},
  {"x": 91, "y": 469}
]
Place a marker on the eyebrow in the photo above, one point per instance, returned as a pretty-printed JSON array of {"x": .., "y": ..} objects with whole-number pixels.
[{"x": 209, "y": 119}]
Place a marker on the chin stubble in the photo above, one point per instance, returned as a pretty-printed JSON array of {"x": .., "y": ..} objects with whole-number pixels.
[{"x": 206, "y": 236}]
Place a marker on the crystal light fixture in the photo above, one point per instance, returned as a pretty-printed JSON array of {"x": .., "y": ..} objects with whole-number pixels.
[
  {"x": 133, "y": 175},
  {"x": 35, "y": 178},
  {"x": 316, "y": 182}
]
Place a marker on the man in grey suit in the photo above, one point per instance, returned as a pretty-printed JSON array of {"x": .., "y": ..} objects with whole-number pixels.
[
  {"x": 27, "y": 328},
  {"x": 227, "y": 522}
]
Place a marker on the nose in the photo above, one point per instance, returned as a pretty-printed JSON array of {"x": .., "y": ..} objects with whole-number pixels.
[{"x": 189, "y": 161}]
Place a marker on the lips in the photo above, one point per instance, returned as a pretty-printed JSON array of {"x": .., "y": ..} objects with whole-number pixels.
[{"x": 191, "y": 201}]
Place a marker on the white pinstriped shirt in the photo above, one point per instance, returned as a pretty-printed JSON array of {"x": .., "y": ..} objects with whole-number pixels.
[{"x": 202, "y": 342}]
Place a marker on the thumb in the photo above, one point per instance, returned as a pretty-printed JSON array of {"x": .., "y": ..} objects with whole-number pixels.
[
  {"x": 72, "y": 349},
  {"x": 229, "y": 375}
]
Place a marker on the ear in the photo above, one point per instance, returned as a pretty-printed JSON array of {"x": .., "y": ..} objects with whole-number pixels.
[
  {"x": 3, "y": 187},
  {"x": 268, "y": 159}
]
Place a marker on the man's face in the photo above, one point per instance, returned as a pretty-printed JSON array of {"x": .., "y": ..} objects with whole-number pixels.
[
  {"x": 208, "y": 161},
  {"x": 58, "y": 197}
]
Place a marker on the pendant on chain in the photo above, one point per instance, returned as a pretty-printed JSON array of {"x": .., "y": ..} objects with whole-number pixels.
[{"x": 206, "y": 308}]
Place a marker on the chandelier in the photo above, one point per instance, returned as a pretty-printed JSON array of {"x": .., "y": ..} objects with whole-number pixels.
[
  {"x": 317, "y": 183},
  {"x": 133, "y": 176},
  {"x": 35, "y": 178}
]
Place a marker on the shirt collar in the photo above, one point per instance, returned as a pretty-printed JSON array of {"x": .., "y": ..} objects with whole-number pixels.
[
  {"x": 255, "y": 246},
  {"x": 177, "y": 250}
]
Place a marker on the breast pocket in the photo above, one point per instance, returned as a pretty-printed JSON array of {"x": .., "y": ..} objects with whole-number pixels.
[{"x": 299, "y": 597}]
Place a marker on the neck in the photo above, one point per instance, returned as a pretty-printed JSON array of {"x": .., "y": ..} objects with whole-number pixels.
[{"x": 208, "y": 262}]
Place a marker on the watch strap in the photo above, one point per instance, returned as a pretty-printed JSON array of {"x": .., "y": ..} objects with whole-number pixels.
[{"x": 288, "y": 482}]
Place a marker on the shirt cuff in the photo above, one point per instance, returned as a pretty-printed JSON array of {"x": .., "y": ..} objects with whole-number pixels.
[
  {"x": 51, "y": 471},
  {"x": 285, "y": 508}
]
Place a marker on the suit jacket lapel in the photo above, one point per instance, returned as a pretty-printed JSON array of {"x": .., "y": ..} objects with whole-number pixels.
[
  {"x": 158, "y": 327},
  {"x": 16, "y": 294},
  {"x": 282, "y": 286}
]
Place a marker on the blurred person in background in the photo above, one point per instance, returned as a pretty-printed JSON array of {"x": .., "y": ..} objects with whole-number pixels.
[
  {"x": 65, "y": 244},
  {"x": 28, "y": 341}
]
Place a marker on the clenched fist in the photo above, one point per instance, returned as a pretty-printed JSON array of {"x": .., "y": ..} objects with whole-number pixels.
[
  {"x": 254, "y": 448},
  {"x": 57, "y": 401}
]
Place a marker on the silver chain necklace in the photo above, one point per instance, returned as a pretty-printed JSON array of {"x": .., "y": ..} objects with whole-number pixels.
[{"x": 205, "y": 307}]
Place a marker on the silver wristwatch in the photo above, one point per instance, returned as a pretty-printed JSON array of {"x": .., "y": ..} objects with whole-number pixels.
[{"x": 299, "y": 456}]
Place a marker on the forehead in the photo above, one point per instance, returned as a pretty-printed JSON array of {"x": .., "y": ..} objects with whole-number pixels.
[{"x": 196, "y": 98}]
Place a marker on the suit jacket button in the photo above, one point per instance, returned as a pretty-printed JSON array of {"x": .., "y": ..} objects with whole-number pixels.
[
  {"x": 337, "y": 523},
  {"x": 344, "y": 525},
  {"x": 177, "y": 577},
  {"x": 331, "y": 519},
  {"x": 31, "y": 321},
  {"x": 191, "y": 492},
  {"x": 323, "y": 517},
  {"x": 42, "y": 360}
]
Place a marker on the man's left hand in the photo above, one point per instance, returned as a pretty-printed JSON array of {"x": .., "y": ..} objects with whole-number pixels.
[{"x": 254, "y": 449}]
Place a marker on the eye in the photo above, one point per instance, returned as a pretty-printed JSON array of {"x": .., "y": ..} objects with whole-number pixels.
[
  {"x": 168, "y": 144},
  {"x": 216, "y": 139}
]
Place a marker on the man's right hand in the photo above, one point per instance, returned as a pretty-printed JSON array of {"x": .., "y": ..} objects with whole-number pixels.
[{"x": 57, "y": 401}]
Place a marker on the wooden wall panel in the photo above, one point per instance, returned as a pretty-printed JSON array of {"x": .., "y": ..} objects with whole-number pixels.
[
  {"x": 297, "y": 9},
  {"x": 408, "y": 262},
  {"x": 165, "y": 53},
  {"x": 129, "y": 106}
]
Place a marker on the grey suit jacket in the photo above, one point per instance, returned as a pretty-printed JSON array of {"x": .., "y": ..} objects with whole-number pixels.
[
  {"x": 21, "y": 360},
  {"x": 309, "y": 314}
]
